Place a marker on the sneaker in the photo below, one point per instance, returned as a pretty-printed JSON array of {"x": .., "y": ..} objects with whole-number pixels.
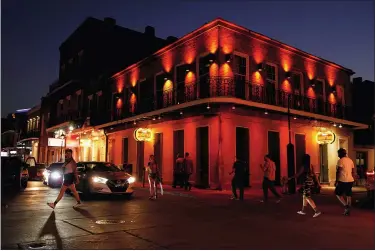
[
  {"x": 263, "y": 201},
  {"x": 317, "y": 214},
  {"x": 51, "y": 205},
  {"x": 347, "y": 212},
  {"x": 77, "y": 205},
  {"x": 233, "y": 198},
  {"x": 278, "y": 201},
  {"x": 301, "y": 212}
]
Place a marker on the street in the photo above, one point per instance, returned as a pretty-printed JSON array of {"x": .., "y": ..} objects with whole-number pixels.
[{"x": 178, "y": 221}]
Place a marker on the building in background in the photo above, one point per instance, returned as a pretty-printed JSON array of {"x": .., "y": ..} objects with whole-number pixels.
[
  {"x": 13, "y": 129},
  {"x": 81, "y": 98},
  {"x": 364, "y": 111},
  {"x": 223, "y": 91},
  {"x": 30, "y": 138}
]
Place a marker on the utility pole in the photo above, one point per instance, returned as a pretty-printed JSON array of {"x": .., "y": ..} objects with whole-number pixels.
[{"x": 290, "y": 155}]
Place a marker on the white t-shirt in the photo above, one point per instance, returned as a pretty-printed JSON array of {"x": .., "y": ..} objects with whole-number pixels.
[{"x": 346, "y": 167}]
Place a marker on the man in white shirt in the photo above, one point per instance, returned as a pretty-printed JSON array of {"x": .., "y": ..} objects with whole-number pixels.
[{"x": 344, "y": 180}]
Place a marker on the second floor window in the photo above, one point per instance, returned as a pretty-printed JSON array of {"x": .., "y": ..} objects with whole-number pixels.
[
  {"x": 271, "y": 73},
  {"x": 296, "y": 82},
  {"x": 319, "y": 88},
  {"x": 239, "y": 65}
]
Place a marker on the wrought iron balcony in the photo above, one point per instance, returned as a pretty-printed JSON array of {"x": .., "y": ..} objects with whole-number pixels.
[{"x": 230, "y": 87}]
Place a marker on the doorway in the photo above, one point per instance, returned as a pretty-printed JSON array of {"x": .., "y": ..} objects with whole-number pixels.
[
  {"x": 323, "y": 150},
  {"x": 158, "y": 151},
  {"x": 274, "y": 152},
  {"x": 178, "y": 145},
  {"x": 242, "y": 151},
  {"x": 300, "y": 142},
  {"x": 140, "y": 160},
  {"x": 202, "y": 144}
]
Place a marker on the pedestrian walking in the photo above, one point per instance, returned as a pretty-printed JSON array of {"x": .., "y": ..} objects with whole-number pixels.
[
  {"x": 344, "y": 180},
  {"x": 309, "y": 175},
  {"x": 178, "y": 172},
  {"x": 188, "y": 170},
  {"x": 154, "y": 178},
  {"x": 70, "y": 179},
  {"x": 239, "y": 171},
  {"x": 269, "y": 170}
]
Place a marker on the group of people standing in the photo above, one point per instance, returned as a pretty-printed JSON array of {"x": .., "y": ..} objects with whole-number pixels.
[
  {"x": 182, "y": 171},
  {"x": 344, "y": 181},
  {"x": 184, "y": 168}
]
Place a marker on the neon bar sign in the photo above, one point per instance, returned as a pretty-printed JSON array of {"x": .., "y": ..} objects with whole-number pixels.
[
  {"x": 143, "y": 134},
  {"x": 326, "y": 137}
]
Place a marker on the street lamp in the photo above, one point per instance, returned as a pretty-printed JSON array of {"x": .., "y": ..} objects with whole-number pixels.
[
  {"x": 290, "y": 155},
  {"x": 62, "y": 136}
]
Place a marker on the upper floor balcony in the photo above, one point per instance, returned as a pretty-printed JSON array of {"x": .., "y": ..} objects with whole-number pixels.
[
  {"x": 66, "y": 117},
  {"x": 212, "y": 88}
]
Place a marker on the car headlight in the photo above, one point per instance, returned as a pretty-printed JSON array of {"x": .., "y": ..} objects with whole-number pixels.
[
  {"x": 55, "y": 175},
  {"x": 131, "y": 180},
  {"x": 99, "y": 180}
]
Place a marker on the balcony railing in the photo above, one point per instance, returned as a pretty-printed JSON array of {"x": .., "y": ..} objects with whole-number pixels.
[{"x": 230, "y": 87}]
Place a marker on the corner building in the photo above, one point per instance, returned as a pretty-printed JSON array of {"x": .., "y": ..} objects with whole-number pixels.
[{"x": 223, "y": 91}]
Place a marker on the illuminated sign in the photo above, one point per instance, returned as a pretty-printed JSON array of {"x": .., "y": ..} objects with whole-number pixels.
[
  {"x": 143, "y": 134},
  {"x": 56, "y": 142},
  {"x": 326, "y": 137}
]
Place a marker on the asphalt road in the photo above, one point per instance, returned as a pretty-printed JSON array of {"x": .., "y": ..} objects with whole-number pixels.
[{"x": 179, "y": 222}]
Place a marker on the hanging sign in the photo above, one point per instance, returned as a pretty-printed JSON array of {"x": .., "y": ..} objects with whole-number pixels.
[
  {"x": 326, "y": 137},
  {"x": 143, "y": 134}
]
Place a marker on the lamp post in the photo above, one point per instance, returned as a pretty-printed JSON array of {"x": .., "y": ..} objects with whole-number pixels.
[
  {"x": 290, "y": 155},
  {"x": 62, "y": 136}
]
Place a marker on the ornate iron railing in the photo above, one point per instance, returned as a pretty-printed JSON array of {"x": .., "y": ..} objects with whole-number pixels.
[{"x": 236, "y": 88}]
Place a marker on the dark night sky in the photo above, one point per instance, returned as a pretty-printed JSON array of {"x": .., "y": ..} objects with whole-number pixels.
[{"x": 32, "y": 31}]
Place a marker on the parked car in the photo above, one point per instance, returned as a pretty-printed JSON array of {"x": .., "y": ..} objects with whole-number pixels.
[
  {"x": 103, "y": 178},
  {"x": 53, "y": 175},
  {"x": 14, "y": 174},
  {"x": 35, "y": 169}
]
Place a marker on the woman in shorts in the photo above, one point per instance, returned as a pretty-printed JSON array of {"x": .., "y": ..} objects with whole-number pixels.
[{"x": 307, "y": 170}]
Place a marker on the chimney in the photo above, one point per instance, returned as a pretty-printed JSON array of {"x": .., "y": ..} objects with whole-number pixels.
[
  {"x": 150, "y": 31},
  {"x": 171, "y": 39},
  {"x": 110, "y": 21}
]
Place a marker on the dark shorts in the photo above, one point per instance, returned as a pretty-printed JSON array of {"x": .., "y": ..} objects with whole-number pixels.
[
  {"x": 344, "y": 188},
  {"x": 68, "y": 179},
  {"x": 307, "y": 185},
  {"x": 155, "y": 176}
]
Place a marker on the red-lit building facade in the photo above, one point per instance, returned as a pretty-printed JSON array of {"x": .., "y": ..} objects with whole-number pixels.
[{"x": 222, "y": 92}]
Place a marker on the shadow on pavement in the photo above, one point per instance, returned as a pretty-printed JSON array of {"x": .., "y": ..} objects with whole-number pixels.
[
  {"x": 84, "y": 212},
  {"x": 50, "y": 228}
]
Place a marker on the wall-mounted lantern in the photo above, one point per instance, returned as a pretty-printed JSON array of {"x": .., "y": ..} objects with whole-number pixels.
[
  {"x": 333, "y": 89},
  {"x": 167, "y": 76},
  {"x": 132, "y": 89},
  {"x": 211, "y": 57},
  {"x": 288, "y": 75},
  {"x": 189, "y": 68},
  {"x": 312, "y": 83},
  {"x": 228, "y": 58}
]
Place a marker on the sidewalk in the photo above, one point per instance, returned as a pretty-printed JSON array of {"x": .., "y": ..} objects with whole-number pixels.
[{"x": 253, "y": 192}]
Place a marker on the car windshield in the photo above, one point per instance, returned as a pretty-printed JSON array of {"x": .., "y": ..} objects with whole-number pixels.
[
  {"x": 55, "y": 166},
  {"x": 103, "y": 167}
]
